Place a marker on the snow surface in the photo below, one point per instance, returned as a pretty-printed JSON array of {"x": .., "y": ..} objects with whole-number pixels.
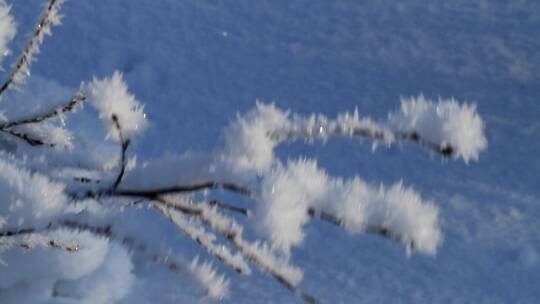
[{"x": 195, "y": 64}]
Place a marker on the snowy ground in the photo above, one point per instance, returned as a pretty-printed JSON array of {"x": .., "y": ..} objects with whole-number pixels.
[{"x": 195, "y": 63}]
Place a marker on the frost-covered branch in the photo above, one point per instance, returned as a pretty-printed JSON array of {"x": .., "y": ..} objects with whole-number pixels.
[
  {"x": 205, "y": 240},
  {"x": 49, "y": 18},
  {"x": 259, "y": 254},
  {"x": 325, "y": 129},
  {"x": 445, "y": 126},
  {"x": 30, "y": 131},
  {"x": 29, "y": 139},
  {"x": 153, "y": 193},
  {"x": 32, "y": 241},
  {"x": 150, "y": 193},
  {"x": 221, "y": 205},
  {"x": 375, "y": 230},
  {"x": 17, "y": 232},
  {"x": 76, "y": 100}
]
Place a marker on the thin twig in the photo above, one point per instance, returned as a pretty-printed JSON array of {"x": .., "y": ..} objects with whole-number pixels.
[
  {"x": 41, "y": 29},
  {"x": 445, "y": 150},
  {"x": 150, "y": 193},
  {"x": 376, "y": 230},
  {"x": 73, "y": 247},
  {"x": 27, "y": 138},
  {"x": 222, "y": 205},
  {"x": 32, "y": 141},
  {"x": 212, "y": 249},
  {"x": 18, "y": 232},
  {"x": 234, "y": 237},
  {"x": 124, "y": 144},
  {"x": 85, "y": 180},
  {"x": 70, "y": 106}
]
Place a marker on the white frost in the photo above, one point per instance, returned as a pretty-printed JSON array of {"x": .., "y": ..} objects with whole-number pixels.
[
  {"x": 217, "y": 287},
  {"x": 290, "y": 190},
  {"x": 110, "y": 97},
  {"x": 50, "y": 17},
  {"x": 248, "y": 144},
  {"x": 7, "y": 29},
  {"x": 286, "y": 194},
  {"x": 444, "y": 122},
  {"x": 251, "y": 139},
  {"x": 27, "y": 199}
]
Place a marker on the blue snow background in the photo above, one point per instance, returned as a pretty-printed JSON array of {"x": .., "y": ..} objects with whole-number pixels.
[{"x": 196, "y": 63}]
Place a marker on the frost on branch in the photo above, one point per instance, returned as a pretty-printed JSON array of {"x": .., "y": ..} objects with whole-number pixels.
[
  {"x": 446, "y": 122},
  {"x": 446, "y": 127},
  {"x": 27, "y": 199},
  {"x": 7, "y": 29},
  {"x": 286, "y": 195},
  {"x": 218, "y": 286},
  {"x": 110, "y": 97},
  {"x": 21, "y": 68},
  {"x": 248, "y": 146},
  {"x": 288, "y": 192}
]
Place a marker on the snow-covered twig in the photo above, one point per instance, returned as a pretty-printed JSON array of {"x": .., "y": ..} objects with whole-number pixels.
[
  {"x": 153, "y": 193},
  {"x": 50, "y": 17},
  {"x": 205, "y": 240},
  {"x": 229, "y": 207},
  {"x": 68, "y": 107},
  {"x": 185, "y": 189},
  {"x": 375, "y": 230},
  {"x": 31, "y": 139},
  {"x": 372, "y": 132},
  {"x": 259, "y": 255},
  {"x": 35, "y": 240}
]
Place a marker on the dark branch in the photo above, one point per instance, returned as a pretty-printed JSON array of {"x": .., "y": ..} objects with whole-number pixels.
[
  {"x": 123, "y": 159},
  {"x": 152, "y": 193},
  {"x": 376, "y": 230},
  {"x": 225, "y": 206},
  {"x": 85, "y": 180},
  {"x": 27, "y": 138},
  {"x": 443, "y": 149},
  {"x": 372, "y": 133},
  {"x": 7, "y": 233},
  {"x": 73, "y": 247}
]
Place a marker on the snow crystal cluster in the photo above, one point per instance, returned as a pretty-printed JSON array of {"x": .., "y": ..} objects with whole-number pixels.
[
  {"x": 445, "y": 122},
  {"x": 288, "y": 191},
  {"x": 111, "y": 98}
]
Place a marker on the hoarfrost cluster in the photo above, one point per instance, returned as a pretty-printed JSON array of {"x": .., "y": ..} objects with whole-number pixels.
[{"x": 78, "y": 214}]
